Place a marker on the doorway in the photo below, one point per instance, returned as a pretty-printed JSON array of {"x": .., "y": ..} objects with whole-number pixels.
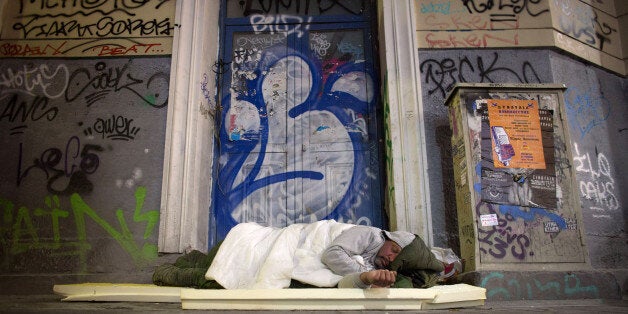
[{"x": 300, "y": 131}]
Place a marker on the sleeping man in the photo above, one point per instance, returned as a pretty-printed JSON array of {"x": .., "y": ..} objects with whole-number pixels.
[
  {"x": 362, "y": 255},
  {"x": 325, "y": 253}
]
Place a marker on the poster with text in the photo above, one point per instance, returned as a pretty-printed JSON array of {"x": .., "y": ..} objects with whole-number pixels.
[
  {"x": 515, "y": 133},
  {"x": 517, "y": 141}
]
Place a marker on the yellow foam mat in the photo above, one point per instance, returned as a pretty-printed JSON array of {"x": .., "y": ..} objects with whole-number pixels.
[{"x": 438, "y": 297}]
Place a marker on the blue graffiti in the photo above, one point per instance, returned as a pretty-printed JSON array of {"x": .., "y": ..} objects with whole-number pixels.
[
  {"x": 478, "y": 171},
  {"x": 517, "y": 212},
  {"x": 585, "y": 111},
  {"x": 322, "y": 128},
  {"x": 240, "y": 144},
  {"x": 509, "y": 287}
]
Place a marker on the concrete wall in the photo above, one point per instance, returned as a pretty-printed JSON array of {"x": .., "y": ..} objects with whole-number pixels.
[
  {"x": 596, "y": 104},
  {"x": 587, "y": 29},
  {"x": 83, "y": 102},
  {"x": 440, "y": 71},
  {"x": 595, "y": 98},
  {"x": 598, "y": 116}
]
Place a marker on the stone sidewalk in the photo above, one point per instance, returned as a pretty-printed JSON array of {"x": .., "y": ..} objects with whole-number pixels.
[{"x": 52, "y": 304}]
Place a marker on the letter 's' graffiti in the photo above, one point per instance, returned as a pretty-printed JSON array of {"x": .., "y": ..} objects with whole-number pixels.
[
  {"x": 596, "y": 182},
  {"x": 21, "y": 112}
]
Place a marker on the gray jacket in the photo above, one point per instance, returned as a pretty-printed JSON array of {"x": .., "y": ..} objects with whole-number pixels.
[{"x": 344, "y": 254}]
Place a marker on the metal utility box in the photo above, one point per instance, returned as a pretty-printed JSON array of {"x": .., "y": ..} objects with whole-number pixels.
[{"x": 517, "y": 205}]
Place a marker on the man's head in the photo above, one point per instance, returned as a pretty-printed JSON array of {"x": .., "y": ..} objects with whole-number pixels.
[{"x": 395, "y": 242}]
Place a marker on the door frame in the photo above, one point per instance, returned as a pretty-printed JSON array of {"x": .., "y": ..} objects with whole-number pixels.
[{"x": 190, "y": 131}]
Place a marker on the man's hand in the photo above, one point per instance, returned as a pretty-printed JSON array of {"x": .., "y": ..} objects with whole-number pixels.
[{"x": 379, "y": 278}]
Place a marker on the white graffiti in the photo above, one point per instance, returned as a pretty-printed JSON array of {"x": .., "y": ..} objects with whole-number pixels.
[
  {"x": 281, "y": 23},
  {"x": 132, "y": 181},
  {"x": 50, "y": 83},
  {"x": 260, "y": 42},
  {"x": 358, "y": 125},
  {"x": 596, "y": 181},
  {"x": 242, "y": 56},
  {"x": 319, "y": 44},
  {"x": 285, "y": 85},
  {"x": 358, "y": 84}
]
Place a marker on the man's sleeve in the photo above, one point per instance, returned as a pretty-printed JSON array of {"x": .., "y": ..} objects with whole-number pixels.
[
  {"x": 343, "y": 255},
  {"x": 352, "y": 281}
]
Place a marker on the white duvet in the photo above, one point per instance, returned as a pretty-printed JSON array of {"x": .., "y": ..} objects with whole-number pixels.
[{"x": 258, "y": 257}]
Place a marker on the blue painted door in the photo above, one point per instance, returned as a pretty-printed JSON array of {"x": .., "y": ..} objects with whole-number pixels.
[{"x": 299, "y": 133}]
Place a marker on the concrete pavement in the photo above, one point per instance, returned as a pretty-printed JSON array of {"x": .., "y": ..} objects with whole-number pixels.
[{"x": 51, "y": 304}]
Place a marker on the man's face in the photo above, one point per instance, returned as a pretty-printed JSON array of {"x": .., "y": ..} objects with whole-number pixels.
[{"x": 387, "y": 254}]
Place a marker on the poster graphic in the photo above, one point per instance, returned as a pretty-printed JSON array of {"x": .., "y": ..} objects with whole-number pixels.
[
  {"x": 517, "y": 143},
  {"x": 516, "y": 133}
]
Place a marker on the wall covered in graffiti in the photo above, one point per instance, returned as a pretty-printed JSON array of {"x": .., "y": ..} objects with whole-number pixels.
[
  {"x": 597, "y": 114},
  {"x": 587, "y": 29},
  {"x": 440, "y": 71},
  {"x": 513, "y": 206},
  {"x": 82, "y": 134},
  {"x": 593, "y": 129}
]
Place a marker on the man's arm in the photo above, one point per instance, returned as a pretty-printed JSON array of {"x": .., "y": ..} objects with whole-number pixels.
[
  {"x": 340, "y": 262},
  {"x": 342, "y": 256},
  {"x": 378, "y": 278}
]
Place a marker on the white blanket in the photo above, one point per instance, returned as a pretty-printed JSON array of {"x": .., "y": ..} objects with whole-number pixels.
[{"x": 258, "y": 257}]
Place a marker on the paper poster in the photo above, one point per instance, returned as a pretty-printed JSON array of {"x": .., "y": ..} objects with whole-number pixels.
[
  {"x": 506, "y": 176},
  {"x": 516, "y": 133},
  {"x": 489, "y": 220}
]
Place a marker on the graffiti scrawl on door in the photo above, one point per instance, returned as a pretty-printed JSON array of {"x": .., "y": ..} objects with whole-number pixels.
[{"x": 298, "y": 132}]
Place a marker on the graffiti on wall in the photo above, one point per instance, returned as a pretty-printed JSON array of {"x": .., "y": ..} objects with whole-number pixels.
[
  {"x": 468, "y": 23},
  {"x": 500, "y": 286},
  {"x": 94, "y": 84},
  {"x": 440, "y": 75},
  {"x": 509, "y": 231},
  {"x": 87, "y": 28},
  {"x": 596, "y": 183},
  {"x": 32, "y": 94},
  {"x": 66, "y": 170},
  {"x": 282, "y": 23},
  {"x": 316, "y": 100},
  {"x": 270, "y": 7},
  {"x": 82, "y": 136},
  {"x": 588, "y": 25},
  {"x": 582, "y": 28},
  {"x": 586, "y": 110},
  {"x": 69, "y": 128},
  {"x": 20, "y": 233},
  {"x": 440, "y": 72}
]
